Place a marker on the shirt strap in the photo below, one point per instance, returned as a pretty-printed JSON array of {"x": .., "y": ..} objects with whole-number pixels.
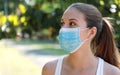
[{"x": 59, "y": 66}]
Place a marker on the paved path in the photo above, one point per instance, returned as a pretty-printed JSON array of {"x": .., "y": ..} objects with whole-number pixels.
[{"x": 39, "y": 57}]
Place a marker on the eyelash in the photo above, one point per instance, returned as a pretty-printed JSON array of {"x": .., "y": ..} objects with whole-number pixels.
[
  {"x": 62, "y": 23},
  {"x": 71, "y": 24}
]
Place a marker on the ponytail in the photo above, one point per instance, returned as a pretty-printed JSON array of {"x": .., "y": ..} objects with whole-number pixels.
[{"x": 105, "y": 45}]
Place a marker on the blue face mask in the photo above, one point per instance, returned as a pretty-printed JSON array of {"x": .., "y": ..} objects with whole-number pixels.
[{"x": 69, "y": 39}]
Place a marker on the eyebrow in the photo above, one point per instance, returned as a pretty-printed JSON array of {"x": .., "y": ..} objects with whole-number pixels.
[{"x": 70, "y": 19}]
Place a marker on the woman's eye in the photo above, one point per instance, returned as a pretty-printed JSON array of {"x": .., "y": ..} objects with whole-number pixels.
[
  {"x": 72, "y": 24},
  {"x": 62, "y": 23}
]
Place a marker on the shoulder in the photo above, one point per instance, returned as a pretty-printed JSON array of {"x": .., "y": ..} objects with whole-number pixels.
[
  {"x": 110, "y": 69},
  {"x": 49, "y": 68}
]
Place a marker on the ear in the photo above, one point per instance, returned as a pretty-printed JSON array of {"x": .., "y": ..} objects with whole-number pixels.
[{"x": 92, "y": 32}]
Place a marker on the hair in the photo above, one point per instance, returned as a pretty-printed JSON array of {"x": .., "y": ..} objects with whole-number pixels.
[{"x": 103, "y": 44}]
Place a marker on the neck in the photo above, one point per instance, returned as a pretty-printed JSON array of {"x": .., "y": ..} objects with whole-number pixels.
[{"x": 82, "y": 58}]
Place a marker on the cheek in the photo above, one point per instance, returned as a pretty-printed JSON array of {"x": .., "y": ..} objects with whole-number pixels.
[{"x": 83, "y": 35}]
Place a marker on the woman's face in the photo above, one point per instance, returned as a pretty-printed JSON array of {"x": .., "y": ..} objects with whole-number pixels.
[{"x": 72, "y": 18}]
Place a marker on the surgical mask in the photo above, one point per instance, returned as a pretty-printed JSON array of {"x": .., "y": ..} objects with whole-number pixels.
[{"x": 69, "y": 39}]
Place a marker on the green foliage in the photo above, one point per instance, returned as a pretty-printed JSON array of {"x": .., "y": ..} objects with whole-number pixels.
[{"x": 46, "y": 15}]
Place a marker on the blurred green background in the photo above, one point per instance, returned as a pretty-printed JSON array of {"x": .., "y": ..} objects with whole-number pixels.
[
  {"x": 36, "y": 23},
  {"x": 40, "y": 19}
]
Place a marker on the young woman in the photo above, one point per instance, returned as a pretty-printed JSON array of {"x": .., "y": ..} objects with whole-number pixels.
[{"x": 89, "y": 40}]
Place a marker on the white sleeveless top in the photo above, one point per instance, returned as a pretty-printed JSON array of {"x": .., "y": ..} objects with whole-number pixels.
[{"x": 99, "y": 69}]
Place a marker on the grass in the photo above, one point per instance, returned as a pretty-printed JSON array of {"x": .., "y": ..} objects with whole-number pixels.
[
  {"x": 46, "y": 45},
  {"x": 13, "y": 63}
]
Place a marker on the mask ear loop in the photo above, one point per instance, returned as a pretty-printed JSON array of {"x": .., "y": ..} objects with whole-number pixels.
[
  {"x": 81, "y": 29},
  {"x": 79, "y": 45},
  {"x": 82, "y": 42},
  {"x": 84, "y": 29}
]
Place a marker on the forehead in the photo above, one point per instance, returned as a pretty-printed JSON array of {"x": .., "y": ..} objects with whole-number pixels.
[{"x": 73, "y": 13}]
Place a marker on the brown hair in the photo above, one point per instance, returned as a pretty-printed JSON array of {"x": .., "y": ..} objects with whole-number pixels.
[{"x": 103, "y": 43}]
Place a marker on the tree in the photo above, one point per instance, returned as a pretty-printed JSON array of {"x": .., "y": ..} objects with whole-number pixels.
[{"x": 43, "y": 16}]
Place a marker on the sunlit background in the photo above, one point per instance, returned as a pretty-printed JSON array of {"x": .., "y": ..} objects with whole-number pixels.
[{"x": 29, "y": 29}]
